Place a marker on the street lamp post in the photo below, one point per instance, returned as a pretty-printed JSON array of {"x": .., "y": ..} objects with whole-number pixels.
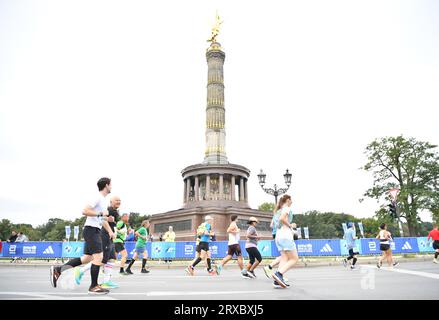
[{"x": 275, "y": 191}]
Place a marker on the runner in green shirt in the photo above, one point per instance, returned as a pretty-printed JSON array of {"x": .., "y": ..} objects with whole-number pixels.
[
  {"x": 119, "y": 243},
  {"x": 142, "y": 238}
]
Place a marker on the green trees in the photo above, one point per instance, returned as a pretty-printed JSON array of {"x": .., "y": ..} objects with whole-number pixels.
[
  {"x": 267, "y": 206},
  {"x": 413, "y": 167}
]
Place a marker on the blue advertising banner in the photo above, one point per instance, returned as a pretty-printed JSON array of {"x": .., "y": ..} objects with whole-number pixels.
[
  {"x": 32, "y": 249},
  {"x": 72, "y": 249},
  {"x": 370, "y": 246},
  {"x": 218, "y": 249},
  {"x": 304, "y": 247},
  {"x": 1, "y": 249},
  {"x": 264, "y": 247},
  {"x": 424, "y": 245},
  {"x": 405, "y": 245},
  {"x": 131, "y": 248},
  {"x": 344, "y": 247},
  {"x": 162, "y": 250},
  {"x": 185, "y": 250}
]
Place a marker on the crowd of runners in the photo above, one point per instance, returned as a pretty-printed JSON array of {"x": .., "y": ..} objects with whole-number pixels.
[{"x": 105, "y": 234}]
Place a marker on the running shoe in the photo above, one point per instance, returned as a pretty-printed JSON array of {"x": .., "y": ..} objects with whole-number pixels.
[
  {"x": 278, "y": 277},
  {"x": 276, "y": 285},
  {"x": 98, "y": 290},
  {"x": 78, "y": 275},
  {"x": 109, "y": 285},
  {"x": 379, "y": 264},
  {"x": 190, "y": 271},
  {"x": 352, "y": 267},
  {"x": 395, "y": 263},
  {"x": 212, "y": 272},
  {"x": 246, "y": 276},
  {"x": 123, "y": 273},
  {"x": 345, "y": 263},
  {"x": 144, "y": 271},
  {"x": 435, "y": 261},
  {"x": 252, "y": 274},
  {"x": 268, "y": 272},
  {"x": 55, "y": 272},
  {"x": 219, "y": 268},
  {"x": 128, "y": 271}
]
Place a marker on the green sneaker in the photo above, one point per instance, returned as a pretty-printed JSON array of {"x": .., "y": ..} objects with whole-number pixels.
[
  {"x": 219, "y": 268},
  {"x": 78, "y": 275},
  {"x": 109, "y": 285}
]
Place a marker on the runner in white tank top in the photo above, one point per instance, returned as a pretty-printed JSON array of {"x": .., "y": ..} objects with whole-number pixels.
[{"x": 234, "y": 247}]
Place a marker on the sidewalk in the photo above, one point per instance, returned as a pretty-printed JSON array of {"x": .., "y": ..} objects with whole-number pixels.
[{"x": 303, "y": 261}]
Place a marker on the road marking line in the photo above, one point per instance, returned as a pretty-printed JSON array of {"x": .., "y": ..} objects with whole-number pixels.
[
  {"x": 415, "y": 273},
  {"x": 50, "y": 295}
]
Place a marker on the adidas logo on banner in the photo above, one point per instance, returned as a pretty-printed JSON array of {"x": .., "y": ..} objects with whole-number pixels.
[
  {"x": 326, "y": 248},
  {"x": 406, "y": 246},
  {"x": 49, "y": 250}
]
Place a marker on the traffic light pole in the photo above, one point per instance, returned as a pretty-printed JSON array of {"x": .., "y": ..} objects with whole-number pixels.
[{"x": 401, "y": 232}]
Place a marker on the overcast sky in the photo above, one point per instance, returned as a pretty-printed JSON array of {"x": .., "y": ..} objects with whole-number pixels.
[{"x": 110, "y": 88}]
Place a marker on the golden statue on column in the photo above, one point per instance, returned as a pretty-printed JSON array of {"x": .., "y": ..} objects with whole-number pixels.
[{"x": 215, "y": 29}]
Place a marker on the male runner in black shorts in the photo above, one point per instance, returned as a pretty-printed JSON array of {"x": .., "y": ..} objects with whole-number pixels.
[{"x": 96, "y": 211}]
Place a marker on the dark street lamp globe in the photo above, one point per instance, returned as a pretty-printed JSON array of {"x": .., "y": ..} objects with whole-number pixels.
[
  {"x": 287, "y": 177},
  {"x": 261, "y": 177}
]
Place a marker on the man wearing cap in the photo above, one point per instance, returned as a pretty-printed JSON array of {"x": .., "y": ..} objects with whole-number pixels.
[
  {"x": 205, "y": 232},
  {"x": 350, "y": 242}
]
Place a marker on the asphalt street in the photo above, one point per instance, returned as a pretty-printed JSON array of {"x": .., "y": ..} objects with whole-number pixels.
[{"x": 411, "y": 280}]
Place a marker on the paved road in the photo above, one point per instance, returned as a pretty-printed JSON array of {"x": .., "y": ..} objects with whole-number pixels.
[{"x": 411, "y": 280}]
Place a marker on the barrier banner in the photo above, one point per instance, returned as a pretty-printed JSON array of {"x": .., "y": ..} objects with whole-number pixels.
[
  {"x": 424, "y": 245},
  {"x": 162, "y": 250},
  {"x": 32, "y": 249},
  {"x": 344, "y": 247},
  {"x": 304, "y": 247},
  {"x": 1, "y": 249},
  {"x": 370, "y": 246},
  {"x": 264, "y": 247},
  {"x": 405, "y": 245},
  {"x": 327, "y": 247},
  {"x": 218, "y": 249},
  {"x": 131, "y": 248},
  {"x": 72, "y": 249},
  {"x": 185, "y": 250}
]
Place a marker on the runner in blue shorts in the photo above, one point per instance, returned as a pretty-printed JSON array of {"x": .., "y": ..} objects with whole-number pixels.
[{"x": 285, "y": 243}]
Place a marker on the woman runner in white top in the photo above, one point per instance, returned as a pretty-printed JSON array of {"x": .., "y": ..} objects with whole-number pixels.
[
  {"x": 285, "y": 243},
  {"x": 385, "y": 237}
]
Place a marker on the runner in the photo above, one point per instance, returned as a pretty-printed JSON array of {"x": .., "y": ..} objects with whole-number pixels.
[
  {"x": 285, "y": 243},
  {"x": 108, "y": 236},
  {"x": 385, "y": 237},
  {"x": 434, "y": 235},
  {"x": 142, "y": 238},
  {"x": 350, "y": 242},
  {"x": 93, "y": 251},
  {"x": 234, "y": 247},
  {"x": 251, "y": 246},
  {"x": 119, "y": 243},
  {"x": 109, "y": 254},
  {"x": 205, "y": 232},
  {"x": 274, "y": 223}
]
